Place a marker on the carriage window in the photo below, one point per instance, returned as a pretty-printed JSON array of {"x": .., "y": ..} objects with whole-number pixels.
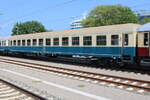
[
  {"x": 1, "y": 43},
  {"x": 65, "y": 41},
  {"x": 56, "y": 41},
  {"x": 114, "y": 40},
  {"x": 28, "y": 42},
  {"x": 40, "y": 42},
  {"x": 19, "y": 42},
  {"x": 126, "y": 39},
  {"x": 23, "y": 42},
  {"x": 11, "y": 43},
  {"x": 75, "y": 40},
  {"x": 87, "y": 40},
  {"x": 34, "y": 42},
  {"x": 48, "y": 42},
  {"x": 145, "y": 39},
  {"x": 4, "y": 43},
  {"x": 14, "y": 43},
  {"x": 101, "y": 40}
]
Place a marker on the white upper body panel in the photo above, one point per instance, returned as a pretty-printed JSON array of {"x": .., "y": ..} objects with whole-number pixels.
[{"x": 120, "y": 29}]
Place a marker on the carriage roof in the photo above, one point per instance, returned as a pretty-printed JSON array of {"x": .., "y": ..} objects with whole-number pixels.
[
  {"x": 120, "y": 28},
  {"x": 144, "y": 28}
]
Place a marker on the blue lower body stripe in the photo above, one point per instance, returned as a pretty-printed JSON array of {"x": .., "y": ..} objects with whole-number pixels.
[{"x": 85, "y": 51}]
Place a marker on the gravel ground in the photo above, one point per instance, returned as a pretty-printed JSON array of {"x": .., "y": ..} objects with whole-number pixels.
[
  {"x": 110, "y": 93},
  {"x": 89, "y": 69}
]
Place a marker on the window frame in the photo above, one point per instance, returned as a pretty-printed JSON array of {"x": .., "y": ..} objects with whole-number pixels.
[
  {"x": 65, "y": 42},
  {"x": 14, "y": 43},
  {"x": 86, "y": 41},
  {"x": 102, "y": 42},
  {"x": 11, "y": 43},
  {"x": 18, "y": 42},
  {"x": 76, "y": 41},
  {"x": 145, "y": 39},
  {"x": 114, "y": 41},
  {"x": 126, "y": 39},
  {"x": 0, "y": 43},
  {"x": 23, "y": 42},
  {"x": 48, "y": 41},
  {"x": 56, "y": 41},
  {"x": 34, "y": 43},
  {"x": 41, "y": 43},
  {"x": 28, "y": 42}
]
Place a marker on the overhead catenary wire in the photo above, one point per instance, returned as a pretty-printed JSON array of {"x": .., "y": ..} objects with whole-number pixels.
[
  {"x": 39, "y": 10},
  {"x": 48, "y": 7}
]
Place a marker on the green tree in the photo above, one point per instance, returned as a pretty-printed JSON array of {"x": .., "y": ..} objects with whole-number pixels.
[
  {"x": 109, "y": 15},
  {"x": 145, "y": 20},
  {"x": 27, "y": 28}
]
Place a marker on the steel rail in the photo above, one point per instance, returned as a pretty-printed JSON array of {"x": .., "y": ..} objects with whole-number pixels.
[
  {"x": 85, "y": 72},
  {"x": 32, "y": 95}
]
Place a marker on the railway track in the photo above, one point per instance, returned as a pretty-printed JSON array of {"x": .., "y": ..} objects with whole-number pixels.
[
  {"x": 9, "y": 91},
  {"x": 130, "y": 84}
]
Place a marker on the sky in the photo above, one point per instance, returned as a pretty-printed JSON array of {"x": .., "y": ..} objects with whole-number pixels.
[{"x": 54, "y": 14}]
